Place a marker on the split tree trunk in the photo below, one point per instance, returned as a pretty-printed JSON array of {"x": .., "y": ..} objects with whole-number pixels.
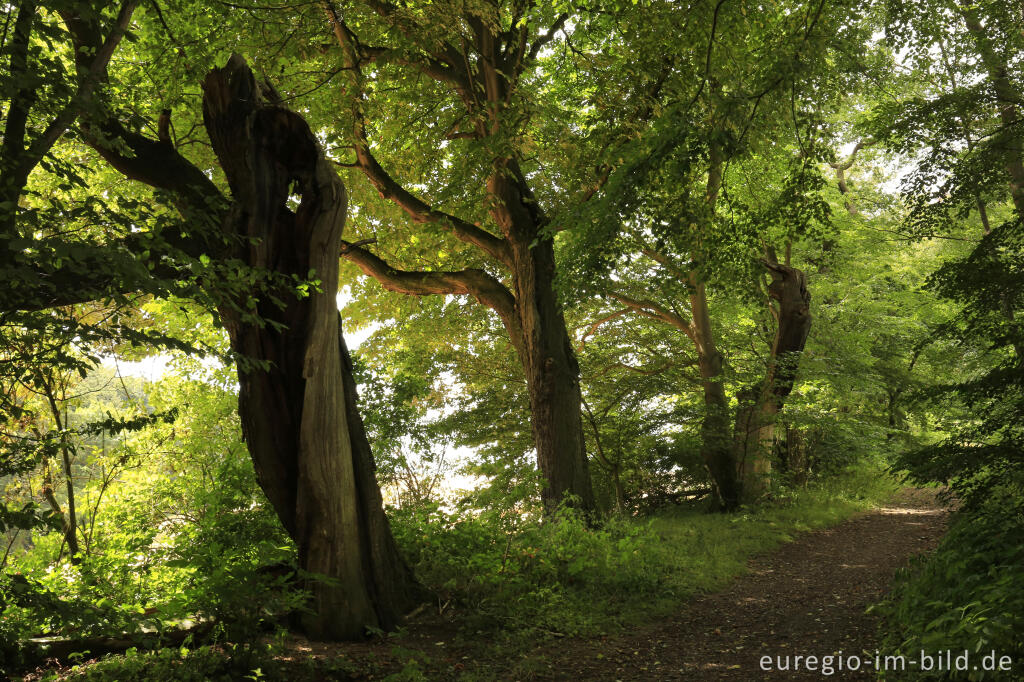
[
  {"x": 737, "y": 452},
  {"x": 755, "y": 421},
  {"x": 297, "y": 398}
]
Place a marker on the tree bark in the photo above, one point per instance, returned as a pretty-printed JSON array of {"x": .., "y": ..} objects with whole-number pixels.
[
  {"x": 755, "y": 422},
  {"x": 297, "y": 399},
  {"x": 542, "y": 342},
  {"x": 716, "y": 435},
  {"x": 530, "y": 312},
  {"x": 736, "y": 446}
]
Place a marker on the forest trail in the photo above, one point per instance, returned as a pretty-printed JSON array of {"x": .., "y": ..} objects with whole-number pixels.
[{"x": 808, "y": 597}]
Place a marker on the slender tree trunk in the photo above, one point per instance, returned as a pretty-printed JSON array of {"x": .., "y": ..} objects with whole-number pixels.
[
  {"x": 70, "y": 535},
  {"x": 69, "y": 521},
  {"x": 613, "y": 468},
  {"x": 72, "y": 522},
  {"x": 794, "y": 447},
  {"x": 891, "y": 409},
  {"x": 620, "y": 493},
  {"x": 297, "y": 399},
  {"x": 716, "y": 434}
]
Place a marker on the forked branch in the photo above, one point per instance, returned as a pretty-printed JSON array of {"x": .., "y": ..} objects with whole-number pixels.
[{"x": 389, "y": 188}]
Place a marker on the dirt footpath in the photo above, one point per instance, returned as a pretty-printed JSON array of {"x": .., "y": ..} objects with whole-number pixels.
[{"x": 806, "y": 598}]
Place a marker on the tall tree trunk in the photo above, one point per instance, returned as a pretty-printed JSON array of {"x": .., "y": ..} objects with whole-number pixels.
[
  {"x": 297, "y": 399},
  {"x": 552, "y": 373},
  {"x": 530, "y": 312},
  {"x": 537, "y": 329},
  {"x": 716, "y": 436},
  {"x": 892, "y": 395},
  {"x": 716, "y": 433}
]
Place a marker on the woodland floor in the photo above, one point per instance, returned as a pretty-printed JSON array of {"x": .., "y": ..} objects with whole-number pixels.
[{"x": 808, "y": 597}]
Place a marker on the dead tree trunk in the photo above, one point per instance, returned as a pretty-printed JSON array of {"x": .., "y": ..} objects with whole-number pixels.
[
  {"x": 297, "y": 399},
  {"x": 755, "y": 421}
]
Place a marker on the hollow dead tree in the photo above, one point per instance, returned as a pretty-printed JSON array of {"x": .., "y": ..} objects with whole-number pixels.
[{"x": 297, "y": 401}]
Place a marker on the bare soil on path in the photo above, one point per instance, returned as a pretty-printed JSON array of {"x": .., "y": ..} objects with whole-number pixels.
[{"x": 808, "y": 597}]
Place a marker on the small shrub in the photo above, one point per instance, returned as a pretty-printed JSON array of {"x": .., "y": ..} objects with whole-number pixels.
[{"x": 213, "y": 664}]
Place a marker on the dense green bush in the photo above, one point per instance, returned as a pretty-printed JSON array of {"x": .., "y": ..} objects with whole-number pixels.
[
  {"x": 968, "y": 595},
  {"x": 522, "y": 574},
  {"x": 184, "y": 536}
]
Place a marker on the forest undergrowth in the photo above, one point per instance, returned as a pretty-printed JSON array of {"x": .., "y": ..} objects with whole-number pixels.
[{"x": 499, "y": 591}]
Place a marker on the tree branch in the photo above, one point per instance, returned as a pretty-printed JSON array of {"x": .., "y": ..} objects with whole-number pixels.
[
  {"x": 547, "y": 37},
  {"x": 429, "y": 66},
  {"x": 593, "y": 327},
  {"x": 21, "y": 101},
  {"x": 472, "y": 281},
  {"x": 653, "y": 310},
  {"x": 445, "y": 65},
  {"x": 153, "y": 162},
  {"x": 845, "y": 165},
  {"x": 94, "y": 74},
  {"x": 667, "y": 263},
  {"x": 387, "y": 186}
]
